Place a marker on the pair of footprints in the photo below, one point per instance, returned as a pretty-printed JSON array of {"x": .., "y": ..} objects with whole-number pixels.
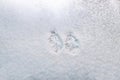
[{"x": 69, "y": 45}]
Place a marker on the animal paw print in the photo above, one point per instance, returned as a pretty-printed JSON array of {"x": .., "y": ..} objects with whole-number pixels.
[
  {"x": 55, "y": 42},
  {"x": 72, "y": 44}
]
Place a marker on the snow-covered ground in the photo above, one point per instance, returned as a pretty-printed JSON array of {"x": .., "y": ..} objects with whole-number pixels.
[{"x": 59, "y": 40}]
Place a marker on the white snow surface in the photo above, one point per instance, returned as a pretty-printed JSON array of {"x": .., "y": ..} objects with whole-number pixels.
[{"x": 59, "y": 40}]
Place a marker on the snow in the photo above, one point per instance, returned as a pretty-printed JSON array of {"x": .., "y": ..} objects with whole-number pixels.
[{"x": 59, "y": 40}]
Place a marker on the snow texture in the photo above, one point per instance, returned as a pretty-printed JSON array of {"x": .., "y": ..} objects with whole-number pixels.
[{"x": 59, "y": 40}]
